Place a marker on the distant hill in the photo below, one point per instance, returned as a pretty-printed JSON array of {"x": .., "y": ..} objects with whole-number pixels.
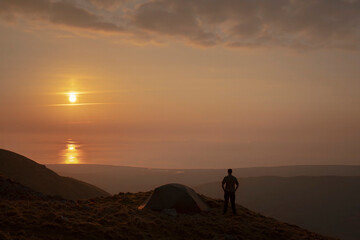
[
  {"x": 41, "y": 179},
  {"x": 116, "y": 179},
  {"x": 329, "y": 204},
  {"x": 118, "y": 217}
]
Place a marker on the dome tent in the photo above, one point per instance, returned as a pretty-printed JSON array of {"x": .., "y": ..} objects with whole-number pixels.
[{"x": 176, "y": 196}]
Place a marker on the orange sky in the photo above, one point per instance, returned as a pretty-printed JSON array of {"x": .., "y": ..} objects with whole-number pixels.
[{"x": 176, "y": 85}]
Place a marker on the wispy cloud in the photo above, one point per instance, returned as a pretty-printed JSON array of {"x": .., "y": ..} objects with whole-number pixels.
[
  {"x": 311, "y": 24},
  {"x": 80, "y": 104}
]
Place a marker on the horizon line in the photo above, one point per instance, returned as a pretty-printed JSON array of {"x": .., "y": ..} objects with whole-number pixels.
[{"x": 276, "y": 166}]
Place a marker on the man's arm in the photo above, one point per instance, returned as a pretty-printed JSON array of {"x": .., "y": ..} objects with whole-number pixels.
[
  {"x": 223, "y": 184},
  {"x": 237, "y": 184}
]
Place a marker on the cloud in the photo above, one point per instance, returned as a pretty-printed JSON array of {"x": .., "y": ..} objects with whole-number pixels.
[
  {"x": 110, "y": 5},
  {"x": 255, "y": 23},
  {"x": 56, "y": 12},
  {"x": 298, "y": 24},
  {"x": 173, "y": 18}
]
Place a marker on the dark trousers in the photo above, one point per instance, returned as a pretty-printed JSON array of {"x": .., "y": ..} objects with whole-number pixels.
[{"x": 230, "y": 195}]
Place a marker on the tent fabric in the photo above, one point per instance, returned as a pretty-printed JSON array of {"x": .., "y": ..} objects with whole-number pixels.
[{"x": 176, "y": 196}]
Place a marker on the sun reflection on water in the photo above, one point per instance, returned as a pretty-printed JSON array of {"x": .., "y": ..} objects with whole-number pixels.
[{"x": 72, "y": 153}]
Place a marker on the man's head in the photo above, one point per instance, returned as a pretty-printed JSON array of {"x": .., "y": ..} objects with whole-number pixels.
[{"x": 229, "y": 171}]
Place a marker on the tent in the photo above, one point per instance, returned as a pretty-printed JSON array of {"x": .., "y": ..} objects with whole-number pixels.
[{"x": 175, "y": 196}]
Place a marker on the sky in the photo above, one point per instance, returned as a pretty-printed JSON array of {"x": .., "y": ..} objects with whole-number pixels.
[{"x": 180, "y": 83}]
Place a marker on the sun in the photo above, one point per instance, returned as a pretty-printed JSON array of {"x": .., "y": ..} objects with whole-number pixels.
[{"x": 72, "y": 97}]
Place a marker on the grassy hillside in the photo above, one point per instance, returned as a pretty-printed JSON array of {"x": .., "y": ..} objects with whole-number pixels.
[
  {"x": 118, "y": 217},
  {"x": 44, "y": 180},
  {"x": 328, "y": 205},
  {"x": 116, "y": 179}
]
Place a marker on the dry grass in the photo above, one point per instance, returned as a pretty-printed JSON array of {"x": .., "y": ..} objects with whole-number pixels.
[{"x": 117, "y": 217}]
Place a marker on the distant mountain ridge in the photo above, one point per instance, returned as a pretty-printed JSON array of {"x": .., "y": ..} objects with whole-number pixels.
[
  {"x": 41, "y": 179},
  {"x": 116, "y": 179}
]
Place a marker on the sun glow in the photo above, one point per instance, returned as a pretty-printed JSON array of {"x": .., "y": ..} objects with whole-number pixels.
[
  {"x": 72, "y": 97},
  {"x": 71, "y": 154}
]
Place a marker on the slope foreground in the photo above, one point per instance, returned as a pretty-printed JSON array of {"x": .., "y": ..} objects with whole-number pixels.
[
  {"x": 118, "y": 217},
  {"x": 44, "y": 180}
]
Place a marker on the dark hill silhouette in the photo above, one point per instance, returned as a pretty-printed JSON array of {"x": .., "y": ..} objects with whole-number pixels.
[
  {"x": 327, "y": 204},
  {"x": 116, "y": 179},
  {"x": 11, "y": 190},
  {"x": 118, "y": 217},
  {"x": 41, "y": 179}
]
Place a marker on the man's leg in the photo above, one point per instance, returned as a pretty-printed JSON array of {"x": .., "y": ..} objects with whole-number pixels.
[
  {"x": 226, "y": 198},
  {"x": 232, "y": 200}
]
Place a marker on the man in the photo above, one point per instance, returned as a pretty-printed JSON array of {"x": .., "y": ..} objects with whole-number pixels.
[{"x": 230, "y": 184}]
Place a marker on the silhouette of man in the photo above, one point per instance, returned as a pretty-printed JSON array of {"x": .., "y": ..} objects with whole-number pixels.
[{"x": 230, "y": 184}]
